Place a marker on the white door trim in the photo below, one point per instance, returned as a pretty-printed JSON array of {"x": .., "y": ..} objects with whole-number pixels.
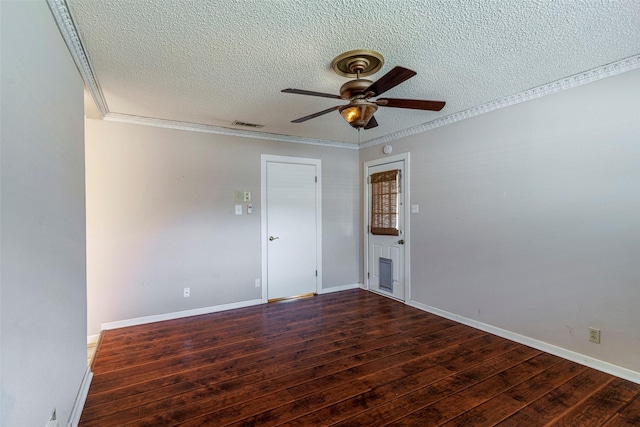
[
  {"x": 264, "y": 159},
  {"x": 407, "y": 215}
]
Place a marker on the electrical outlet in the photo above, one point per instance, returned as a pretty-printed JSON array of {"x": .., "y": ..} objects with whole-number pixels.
[
  {"x": 594, "y": 335},
  {"x": 187, "y": 292},
  {"x": 257, "y": 283}
]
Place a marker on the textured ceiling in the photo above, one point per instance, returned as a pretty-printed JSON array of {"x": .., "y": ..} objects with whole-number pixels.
[{"x": 213, "y": 62}]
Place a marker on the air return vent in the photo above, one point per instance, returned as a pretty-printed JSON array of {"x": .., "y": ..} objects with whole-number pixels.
[{"x": 247, "y": 125}]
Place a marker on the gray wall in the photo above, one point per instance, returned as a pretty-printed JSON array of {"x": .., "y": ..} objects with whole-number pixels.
[
  {"x": 42, "y": 220},
  {"x": 160, "y": 217},
  {"x": 530, "y": 218}
]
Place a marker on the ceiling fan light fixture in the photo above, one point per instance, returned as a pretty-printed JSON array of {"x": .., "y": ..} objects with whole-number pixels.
[{"x": 358, "y": 112}]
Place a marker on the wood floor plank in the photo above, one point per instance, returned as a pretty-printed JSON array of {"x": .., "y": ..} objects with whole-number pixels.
[
  {"x": 631, "y": 411},
  {"x": 112, "y": 378},
  {"x": 308, "y": 420},
  {"x": 279, "y": 363},
  {"x": 619, "y": 421},
  {"x": 373, "y": 360},
  {"x": 545, "y": 381},
  {"x": 383, "y": 393},
  {"x": 406, "y": 404},
  {"x": 201, "y": 414},
  {"x": 395, "y": 366},
  {"x": 302, "y": 406},
  {"x": 349, "y": 358},
  {"x": 452, "y": 406},
  {"x": 600, "y": 406},
  {"x": 487, "y": 414},
  {"x": 352, "y": 365},
  {"x": 553, "y": 405},
  {"x": 514, "y": 399}
]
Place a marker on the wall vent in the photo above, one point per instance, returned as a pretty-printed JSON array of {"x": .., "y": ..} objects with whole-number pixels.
[{"x": 245, "y": 124}]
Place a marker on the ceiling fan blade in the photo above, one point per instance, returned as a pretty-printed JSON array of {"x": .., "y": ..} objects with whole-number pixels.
[
  {"x": 311, "y": 93},
  {"x": 415, "y": 104},
  {"x": 372, "y": 123},
  {"x": 313, "y": 116},
  {"x": 390, "y": 80}
]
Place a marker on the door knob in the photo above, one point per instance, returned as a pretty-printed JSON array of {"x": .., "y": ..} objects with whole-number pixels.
[
  {"x": 273, "y": 238},
  {"x": 401, "y": 241}
]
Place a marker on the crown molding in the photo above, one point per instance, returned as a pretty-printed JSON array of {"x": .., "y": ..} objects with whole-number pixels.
[
  {"x": 589, "y": 76},
  {"x": 62, "y": 15},
  {"x": 195, "y": 127},
  {"x": 64, "y": 20}
]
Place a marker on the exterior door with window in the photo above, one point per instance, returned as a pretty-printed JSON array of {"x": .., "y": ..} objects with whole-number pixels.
[{"x": 385, "y": 236}]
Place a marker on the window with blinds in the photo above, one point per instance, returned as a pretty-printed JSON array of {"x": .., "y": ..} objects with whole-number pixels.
[{"x": 385, "y": 187}]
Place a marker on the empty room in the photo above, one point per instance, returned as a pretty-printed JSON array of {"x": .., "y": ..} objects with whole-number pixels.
[{"x": 320, "y": 213}]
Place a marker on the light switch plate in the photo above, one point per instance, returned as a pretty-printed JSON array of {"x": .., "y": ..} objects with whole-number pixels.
[
  {"x": 238, "y": 209},
  {"x": 415, "y": 208}
]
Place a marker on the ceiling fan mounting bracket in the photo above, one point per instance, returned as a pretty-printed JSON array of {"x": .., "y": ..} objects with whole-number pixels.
[{"x": 360, "y": 62}]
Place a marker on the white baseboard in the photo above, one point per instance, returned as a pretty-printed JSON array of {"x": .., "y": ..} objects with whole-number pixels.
[
  {"x": 92, "y": 339},
  {"x": 600, "y": 365},
  {"x": 177, "y": 315},
  {"x": 81, "y": 398},
  {"x": 339, "y": 288},
  {"x": 198, "y": 311}
]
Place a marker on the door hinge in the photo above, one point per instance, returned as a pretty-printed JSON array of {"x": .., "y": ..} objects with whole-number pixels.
[
  {"x": 368, "y": 275},
  {"x": 369, "y": 179},
  {"x": 316, "y": 273},
  {"x": 316, "y": 179}
]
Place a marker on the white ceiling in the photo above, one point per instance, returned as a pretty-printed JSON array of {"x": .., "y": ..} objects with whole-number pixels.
[{"x": 212, "y": 62}]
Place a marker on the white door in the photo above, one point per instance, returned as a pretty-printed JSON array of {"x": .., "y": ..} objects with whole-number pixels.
[
  {"x": 291, "y": 208},
  {"x": 386, "y": 197}
]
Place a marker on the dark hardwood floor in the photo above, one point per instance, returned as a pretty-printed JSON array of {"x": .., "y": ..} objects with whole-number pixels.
[{"x": 350, "y": 358}]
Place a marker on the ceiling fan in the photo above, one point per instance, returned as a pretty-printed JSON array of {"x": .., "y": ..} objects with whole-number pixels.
[{"x": 361, "y": 108}]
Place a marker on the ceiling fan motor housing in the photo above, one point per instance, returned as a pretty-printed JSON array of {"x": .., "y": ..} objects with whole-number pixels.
[{"x": 354, "y": 88}]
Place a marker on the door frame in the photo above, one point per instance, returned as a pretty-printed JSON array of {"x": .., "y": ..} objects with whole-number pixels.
[
  {"x": 407, "y": 213},
  {"x": 264, "y": 159}
]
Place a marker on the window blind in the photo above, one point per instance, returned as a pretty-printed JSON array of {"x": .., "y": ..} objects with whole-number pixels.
[{"x": 384, "y": 202}]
